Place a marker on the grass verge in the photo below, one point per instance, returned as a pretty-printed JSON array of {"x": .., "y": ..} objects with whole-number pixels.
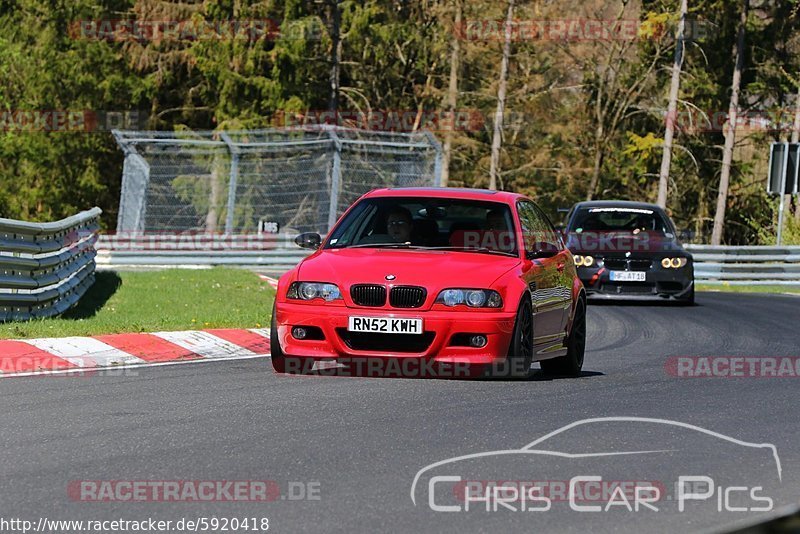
[
  {"x": 749, "y": 289},
  {"x": 173, "y": 299}
]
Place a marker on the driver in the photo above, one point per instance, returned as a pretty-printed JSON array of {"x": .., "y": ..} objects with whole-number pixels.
[{"x": 398, "y": 224}]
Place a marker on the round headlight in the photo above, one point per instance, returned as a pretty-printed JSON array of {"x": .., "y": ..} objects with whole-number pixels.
[
  {"x": 578, "y": 260},
  {"x": 678, "y": 262},
  {"x": 308, "y": 291},
  {"x": 588, "y": 261},
  {"x": 495, "y": 300},
  {"x": 476, "y": 299},
  {"x": 330, "y": 292},
  {"x": 666, "y": 263},
  {"x": 452, "y": 297}
]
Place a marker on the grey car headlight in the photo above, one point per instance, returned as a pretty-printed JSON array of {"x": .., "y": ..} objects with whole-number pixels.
[
  {"x": 474, "y": 298},
  {"x": 313, "y": 290}
]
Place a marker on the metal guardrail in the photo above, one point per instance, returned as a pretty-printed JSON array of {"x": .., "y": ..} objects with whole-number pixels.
[
  {"x": 269, "y": 253},
  {"x": 45, "y": 268},
  {"x": 749, "y": 265},
  {"x": 277, "y": 254}
]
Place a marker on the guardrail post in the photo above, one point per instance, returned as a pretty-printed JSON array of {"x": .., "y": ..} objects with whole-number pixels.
[
  {"x": 437, "y": 163},
  {"x": 135, "y": 179},
  {"x": 781, "y": 205},
  {"x": 336, "y": 178},
  {"x": 234, "y": 176}
]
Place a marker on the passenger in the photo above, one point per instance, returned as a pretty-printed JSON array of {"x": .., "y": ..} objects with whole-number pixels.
[
  {"x": 499, "y": 237},
  {"x": 496, "y": 221}
]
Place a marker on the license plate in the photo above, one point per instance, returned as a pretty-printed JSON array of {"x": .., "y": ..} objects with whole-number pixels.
[
  {"x": 385, "y": 325},
  {"x": 627, "y": 276}
]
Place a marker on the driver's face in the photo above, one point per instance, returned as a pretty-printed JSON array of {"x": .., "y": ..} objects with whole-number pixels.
[
  {"x": 496, "y": 221},
  {"x": 399, "y": 227}
]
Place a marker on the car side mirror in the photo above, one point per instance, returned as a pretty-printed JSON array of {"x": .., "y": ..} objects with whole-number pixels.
[
  {"x": 543, "y": 250},
  {"x": 308, "y": 240}
]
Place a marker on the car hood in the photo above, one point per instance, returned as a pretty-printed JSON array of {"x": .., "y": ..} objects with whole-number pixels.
[
  {"x": 433, "y": 270},
  {"x": 644, "y": 244}
]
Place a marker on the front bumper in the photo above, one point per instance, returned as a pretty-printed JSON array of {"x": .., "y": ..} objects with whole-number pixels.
[
  {"x": 439, "y": 328},
  {"x": 659, "y": 284}
]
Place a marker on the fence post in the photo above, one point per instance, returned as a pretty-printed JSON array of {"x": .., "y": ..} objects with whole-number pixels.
[
  {"x": 135, "y": 179},
  {"x": 234, "y": 176},
  {"x": 437, "y": 163},
  {"x": 336, "y": 178}
]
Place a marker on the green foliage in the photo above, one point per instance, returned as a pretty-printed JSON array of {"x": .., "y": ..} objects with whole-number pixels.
[
  {"x": 571, "y": 105},
  {"x": 156, "y": 301},
  {"x": 768, "y": 233}
]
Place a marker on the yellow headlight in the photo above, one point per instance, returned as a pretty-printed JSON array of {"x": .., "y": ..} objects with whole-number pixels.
[
  {"x": 578, "y": 261},
  {"x": 588, "y": 261},
  {"x": 677, "y": 262},
  {"x": 674, "y": 263}
]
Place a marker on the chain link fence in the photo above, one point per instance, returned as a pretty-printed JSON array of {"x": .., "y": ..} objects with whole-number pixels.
[{"x": 237, "y": 182}]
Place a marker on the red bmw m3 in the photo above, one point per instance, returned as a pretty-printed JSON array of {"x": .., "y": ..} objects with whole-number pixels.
[{"x": 434, "y": 279}]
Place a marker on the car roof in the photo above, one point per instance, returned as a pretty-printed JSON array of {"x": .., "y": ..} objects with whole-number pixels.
[
  {"x": 446, "y": 192},
  {"x": 617, "y": 204}
]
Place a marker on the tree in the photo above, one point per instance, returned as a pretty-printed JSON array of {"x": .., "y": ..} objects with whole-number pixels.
[
  {"x": 336, "y": 54},
  {"x": 672, "y": 107},
  {"x": 730, "y": 133},
  {"x": 452, "y": 90},
  {"x": 501, "y": 100}
]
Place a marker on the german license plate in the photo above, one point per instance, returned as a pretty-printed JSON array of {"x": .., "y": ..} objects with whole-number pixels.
[
  {"x": 627, "y": 276},
  {"x": 385, "y": 325}
]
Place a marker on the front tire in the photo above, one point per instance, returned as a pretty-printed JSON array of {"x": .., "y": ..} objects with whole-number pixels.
[
  {"x": 278, "y": 357},
  {"x": 572, "y": 363},
  {"x": 520, "y": 351},
  {"x": 280, "y": 361},
  {"x": 688, "y": 300}
]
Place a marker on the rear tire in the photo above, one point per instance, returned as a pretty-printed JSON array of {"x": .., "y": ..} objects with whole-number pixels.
[
  {"x": 520, "y": 351},
  {"x": 572, "y": 363}
]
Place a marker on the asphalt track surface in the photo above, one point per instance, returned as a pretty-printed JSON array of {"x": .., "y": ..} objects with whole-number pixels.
[{"x": 363, "y": 440}]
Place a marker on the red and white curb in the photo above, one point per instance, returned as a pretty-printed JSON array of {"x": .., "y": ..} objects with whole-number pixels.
[
  {"x": 268, "y": 279},
  {"x": 74, "y": 354}
]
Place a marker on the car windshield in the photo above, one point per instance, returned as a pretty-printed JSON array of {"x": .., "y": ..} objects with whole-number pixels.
[
  {"x": 619, "y": 219},
  {"x": 444, "y": 224}
]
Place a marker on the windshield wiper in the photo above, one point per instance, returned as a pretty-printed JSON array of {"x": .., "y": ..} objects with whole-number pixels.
[
  {"x": 380, "y": 245},
  {"x": 482, "y": 250},
  {"x": 407, "y": 245}
]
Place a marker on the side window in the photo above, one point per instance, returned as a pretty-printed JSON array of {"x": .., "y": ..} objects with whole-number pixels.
[
  {"x": 536, "y": 230},
  {"x": 551, "y": 234}
]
